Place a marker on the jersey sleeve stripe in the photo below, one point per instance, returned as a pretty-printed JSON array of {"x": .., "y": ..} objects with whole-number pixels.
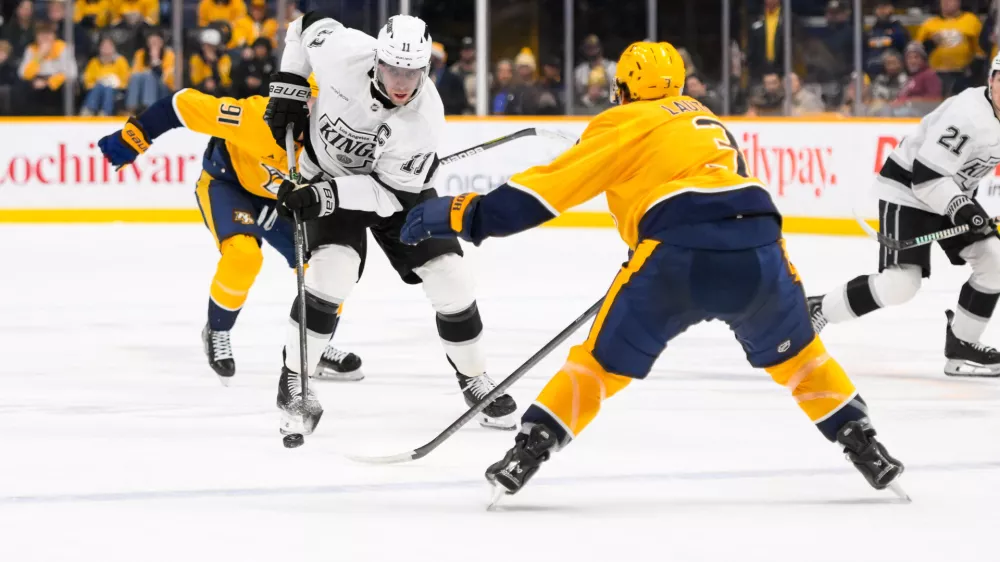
[
  {"x": 924, "y": 172},
  {"x": 528, "y": 191}
]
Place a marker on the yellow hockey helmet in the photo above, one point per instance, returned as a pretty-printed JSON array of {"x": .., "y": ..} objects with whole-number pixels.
[{"x": 648, "y": 71}]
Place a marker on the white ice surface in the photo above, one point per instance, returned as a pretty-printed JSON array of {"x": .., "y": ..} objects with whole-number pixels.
[{"x": 118, "y": 443}]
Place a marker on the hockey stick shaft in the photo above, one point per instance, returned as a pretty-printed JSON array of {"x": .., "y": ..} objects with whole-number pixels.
[
  {"x": 499, "y": 141},
  {"x": 300, "y": 268},
  {"x": 922, "y": 240},
  {"x": 501, "y": 388}
]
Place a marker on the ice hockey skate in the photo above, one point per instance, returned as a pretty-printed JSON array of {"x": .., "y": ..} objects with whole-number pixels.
[
  {"x": 299, "y": 415},
  {"x": 816, "y": 315},
  {"x": 499, "y": 414},
  {"x": 513, "y": 471},
  {"x": 870, "y": 457},
  {"x": 968, "y": 359},
  {"x": 338, "y": 365},
  {"x": 219, "y": 353}
]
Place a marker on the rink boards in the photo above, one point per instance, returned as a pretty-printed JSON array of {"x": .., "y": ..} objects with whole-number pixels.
[{"x": 818, "y": 171}]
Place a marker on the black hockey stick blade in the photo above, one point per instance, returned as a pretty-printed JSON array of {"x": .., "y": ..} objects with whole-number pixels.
[{"x": 424, "y": 450}]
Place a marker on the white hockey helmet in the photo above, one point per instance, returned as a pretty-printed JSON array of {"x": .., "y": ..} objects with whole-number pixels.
[
  {"x": 402, "y": 58},
  {"x": 994, "y": 68}
]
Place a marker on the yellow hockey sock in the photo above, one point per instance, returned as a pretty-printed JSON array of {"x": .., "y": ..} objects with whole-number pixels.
[
  {"x": 574, "y": 395},
  {"x": 817, "y": 382},
  {"x": 238, "y": 268}
]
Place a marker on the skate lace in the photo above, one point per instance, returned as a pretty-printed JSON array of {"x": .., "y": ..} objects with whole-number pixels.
[
  {"x": 480, "y": 386},
  {"x": 334, "y": 355},
  {"x": 221, "y": 348},
  {"x": 818, "y": 319},
  {"x": 982, "y": 348}
]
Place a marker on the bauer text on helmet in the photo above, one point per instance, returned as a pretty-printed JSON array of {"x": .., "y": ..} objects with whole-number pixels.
[
  {"x": 402, "y": 58},
  {"x": 648, "y": 71}
]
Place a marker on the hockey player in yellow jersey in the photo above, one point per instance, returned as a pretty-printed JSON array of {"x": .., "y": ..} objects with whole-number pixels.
[
  {"x": 706, "y": 244},
  {"x": 236, "y": 192}
]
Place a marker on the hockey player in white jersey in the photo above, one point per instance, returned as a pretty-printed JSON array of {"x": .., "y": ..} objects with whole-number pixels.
[
  {"x": 370, "y": 155},
  {"x": 929, "y": 184}
]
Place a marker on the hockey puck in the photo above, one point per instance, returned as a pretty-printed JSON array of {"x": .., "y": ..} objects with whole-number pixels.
[{"x": 294, "y": 440}]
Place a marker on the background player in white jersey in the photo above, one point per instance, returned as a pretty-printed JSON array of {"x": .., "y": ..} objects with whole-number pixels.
[
  {"x": 929, "y": 184},
  {"x": 371, "y": 154}
]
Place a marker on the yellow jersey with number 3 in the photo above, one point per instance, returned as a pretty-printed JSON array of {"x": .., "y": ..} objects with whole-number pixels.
[
  {"x": 645, "y": 153},
  {"x": 242, "y": 149}
]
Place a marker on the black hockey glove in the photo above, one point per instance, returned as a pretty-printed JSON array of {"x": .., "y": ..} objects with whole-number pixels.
[
  {"x": 965, "y": 211},
  {"x": 287, "y": 105},
  {"x": 311, "y": 201}
]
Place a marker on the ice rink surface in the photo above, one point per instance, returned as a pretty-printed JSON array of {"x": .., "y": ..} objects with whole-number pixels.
[{"x": 117, "y": 442}]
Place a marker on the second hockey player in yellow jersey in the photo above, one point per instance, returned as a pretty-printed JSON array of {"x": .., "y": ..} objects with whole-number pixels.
[
  {"x": 705, "y": 242},
  {"x": 242, "y": 170}
]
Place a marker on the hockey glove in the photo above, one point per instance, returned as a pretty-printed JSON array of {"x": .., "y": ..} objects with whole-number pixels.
[
  {"x": 287, "y": 105},
  {"x": 965, "y": 211},
  {"x": 311, "y": 201},
  {"x": 441, "y": 217},
  {"x": 125, "y": 145}
]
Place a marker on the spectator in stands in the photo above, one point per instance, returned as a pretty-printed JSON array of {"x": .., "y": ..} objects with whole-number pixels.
[
  {"x": 527, "y": 95},
  {"x": 765, "y": 46},
  {"x": 292, "y": 13},
  {"x": 952, "y": 40},
  {"x": 737, "y": 92},
  {"x": 152, "y": 74},
  {"x": 870, "y": 106},
  {"x": 256, "y": 24},
  {"x": 92, "y": 14},
  {"x": 465, "y": 69},
  {"x": 448, "y": 84},
  {"x": 838, "y": 39},
  {"x": 689, "y": 65},
  {"x": 209, "y": 68},
  {"x": 923, "y": 83},
  {"x": 82, "y": 45},
  {"x": 146, "y": 10},
  {"x": 804, "y": 101},
  {"x": 551, "y": 79},
  {"x": 768, "y": 98},
  {"x": 45, "y": 69},
  {"x": 8, "y": 77},
  {"x": 252, "y": 75},
  {"x": 501, "y": 93},
  {"x": 891, "y": 79},
  {"x": 695, "y": 87},
  {"x": 105, "y": 76},
  {"x": 593, "y": 57},
  {"x": 8, "y": 69},
  {"x": 988, "y": 36},
  {"x": 19, "y": 30},
  {"x": 886, "y": 33},
  {"x": 598, "y": 96},
  {"x": 221, "y": 10}
]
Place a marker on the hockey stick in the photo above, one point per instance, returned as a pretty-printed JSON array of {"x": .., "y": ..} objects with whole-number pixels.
[
  {"x": 424, "y": 450},
  {"x": 923, "y": 240},
  {"x": 529, "y": 132},
  {"x": 300, "y": 269}
]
